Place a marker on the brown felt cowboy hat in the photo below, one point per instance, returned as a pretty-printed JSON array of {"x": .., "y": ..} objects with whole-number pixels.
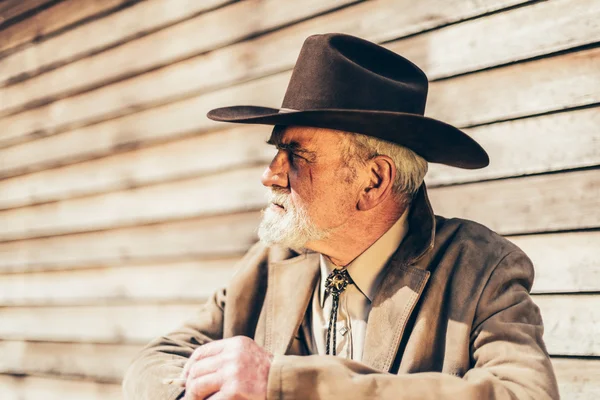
[{"x": 346, "y": 83}]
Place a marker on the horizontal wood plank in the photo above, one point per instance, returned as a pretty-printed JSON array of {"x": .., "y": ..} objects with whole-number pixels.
[
  {"x": 97, "y": 324},
  {"x": 35, "y": 388},
  {"x": 195, "y": 156},
  {"x": 547, "y": 143},
  {"x": 141, "y": 323},
  {"x": 543, "y": 203},
  {"x": 519, "y": 90},
  {"x": 215, "y": 237},
  {"x": 159, "y": 282},
  {"x": 52, "y": 19},
  {"x": 578, "y": 379},
  {"x": 101, "y": 362},
  {"x": 380, "y": 20},
  {"x": 152, "y": 204},
  {"x": 567, "y": 318},
  {"x": 543, "y": 28},
  {"x": 10, "y": 9},
  {"x": 572, "y": 256},
  {"x": 209, "y": 31}
]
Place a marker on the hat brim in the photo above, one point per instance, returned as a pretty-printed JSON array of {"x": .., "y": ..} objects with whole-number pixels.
[{"x": 433, "y": 140}]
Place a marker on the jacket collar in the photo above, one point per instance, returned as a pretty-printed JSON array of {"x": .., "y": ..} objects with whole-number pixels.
[{"x": 291, "y": 282}]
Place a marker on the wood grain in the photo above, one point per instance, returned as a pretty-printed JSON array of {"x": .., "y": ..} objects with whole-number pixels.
[
  {"x": 34, "y": 388},
  {"x": 97, "y": 324},
  {"x": 155, "y": 282},
  {"x": 206, "y": 32},
  {"x": 543, "y": 203},
  {"x": 572, "y": 256},
  {"x": 215, "y": 237},
  {"x": 567, "y": 318},
  {"x": 10, "y": 9},
  {"x": 503, "y": 38},
  {"x": 178, "y": 200},
  {"x": 379, "y": 20},
  {"x": 191, "y": 157},
  {"x": 578, "y": 379},
  {"x": 52, "y": 19},
  {"x": 543, "y": 86},
  {"x": 547, "y": 143},
  {"x": 519, "y": 90},
  {"x": 101, "y": 362},
  {"x": 122, "y": 207}
]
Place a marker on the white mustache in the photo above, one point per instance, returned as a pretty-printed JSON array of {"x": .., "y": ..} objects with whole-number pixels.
[{"x": 282, "y": 199}]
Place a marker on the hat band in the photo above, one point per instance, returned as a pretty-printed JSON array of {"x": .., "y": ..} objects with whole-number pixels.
[{"x": 286, "y": 110}]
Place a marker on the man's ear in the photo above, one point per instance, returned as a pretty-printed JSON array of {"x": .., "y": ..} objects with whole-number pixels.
[{"x": 380, "y": 179}]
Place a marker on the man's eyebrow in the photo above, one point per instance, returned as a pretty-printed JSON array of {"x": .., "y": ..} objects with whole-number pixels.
[{"x": 291, "y": 146}]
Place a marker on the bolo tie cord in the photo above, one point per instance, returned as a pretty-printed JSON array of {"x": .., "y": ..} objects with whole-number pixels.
[{"x": 336, "y": 283}]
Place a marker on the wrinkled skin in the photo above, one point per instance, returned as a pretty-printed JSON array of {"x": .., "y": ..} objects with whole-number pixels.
[{"x": 233, "y": 368}]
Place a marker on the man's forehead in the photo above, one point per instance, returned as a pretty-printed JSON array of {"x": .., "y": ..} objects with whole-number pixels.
[
  {"x": 298, "y": 134},
  {"x": 305, "y": 136}
]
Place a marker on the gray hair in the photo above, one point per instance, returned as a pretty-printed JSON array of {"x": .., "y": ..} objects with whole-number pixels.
[{"x": 410, "y": 167}]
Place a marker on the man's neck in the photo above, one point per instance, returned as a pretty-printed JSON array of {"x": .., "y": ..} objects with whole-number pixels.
[{"x": 344, "y": 245}]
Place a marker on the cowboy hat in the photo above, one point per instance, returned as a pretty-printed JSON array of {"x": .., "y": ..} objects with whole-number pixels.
[{"x": 346, "y": 83}]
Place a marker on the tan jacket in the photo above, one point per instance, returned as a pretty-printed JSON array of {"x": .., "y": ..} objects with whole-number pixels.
[{"x": 452, "y": 319}]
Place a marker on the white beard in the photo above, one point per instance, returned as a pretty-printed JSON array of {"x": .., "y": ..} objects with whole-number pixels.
[{"x": 291, "y": 227}]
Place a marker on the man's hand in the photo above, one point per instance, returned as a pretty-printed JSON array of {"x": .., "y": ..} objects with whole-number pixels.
[{"x": 234, "y": 368}]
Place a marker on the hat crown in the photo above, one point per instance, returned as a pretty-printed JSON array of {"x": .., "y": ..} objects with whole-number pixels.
[{"x": 338, "y": 71}]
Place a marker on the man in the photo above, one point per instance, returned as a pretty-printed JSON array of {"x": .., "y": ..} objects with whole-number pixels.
[{"x": 356, "y": 290}]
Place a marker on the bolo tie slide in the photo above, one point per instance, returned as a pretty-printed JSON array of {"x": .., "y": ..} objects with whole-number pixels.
[{"x": 336, "y": 283}]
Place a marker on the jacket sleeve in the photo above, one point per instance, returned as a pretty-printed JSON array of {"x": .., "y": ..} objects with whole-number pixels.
[
  {"x": 165, "y": 357},
  {"x": 508, "y": 356}
]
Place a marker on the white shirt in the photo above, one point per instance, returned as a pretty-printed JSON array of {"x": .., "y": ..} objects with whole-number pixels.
[{"x": 354, "y": 302}]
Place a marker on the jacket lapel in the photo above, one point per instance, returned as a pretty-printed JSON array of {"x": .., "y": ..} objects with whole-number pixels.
[
  {"x": 401, "y": 287},
  {"x": 391, "y": 309},
  {"x": 291, "y": 284}
]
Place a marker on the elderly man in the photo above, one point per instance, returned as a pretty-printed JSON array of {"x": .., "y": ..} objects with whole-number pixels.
[{"x": 356, "y": 290}]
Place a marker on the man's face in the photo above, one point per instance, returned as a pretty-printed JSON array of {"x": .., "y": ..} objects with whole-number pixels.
[{"x": 312, "y": 192}]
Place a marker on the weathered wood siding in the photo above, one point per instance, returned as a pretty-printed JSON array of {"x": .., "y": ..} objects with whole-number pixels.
[{"x": 122, "y": 207}]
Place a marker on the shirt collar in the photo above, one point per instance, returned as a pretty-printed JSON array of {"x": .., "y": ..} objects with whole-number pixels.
[{"x": 365, "y": 269}]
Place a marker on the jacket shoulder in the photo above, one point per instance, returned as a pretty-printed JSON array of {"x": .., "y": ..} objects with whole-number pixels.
[{"x": 480, "y": 244}]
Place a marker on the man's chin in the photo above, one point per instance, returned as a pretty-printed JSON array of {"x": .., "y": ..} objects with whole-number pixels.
[
  {"x": 282, "y": 229},
  {"x": 270, "y": 236}
]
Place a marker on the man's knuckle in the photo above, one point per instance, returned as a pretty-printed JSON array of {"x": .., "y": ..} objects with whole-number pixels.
[
  {"x": 241, "y": 341},
  {"x": 196, "y": 387},
  {"x": 232, "y": 389},
  {"x": 229, "y": 371},
  {"x": 193, "y": 371}
]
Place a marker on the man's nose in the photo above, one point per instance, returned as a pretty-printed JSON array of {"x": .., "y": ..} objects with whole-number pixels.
[{"x": 276, "y": 174}]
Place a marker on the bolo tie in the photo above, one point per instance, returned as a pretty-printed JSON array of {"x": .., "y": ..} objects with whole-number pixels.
[{"x": 336, "y": 283}]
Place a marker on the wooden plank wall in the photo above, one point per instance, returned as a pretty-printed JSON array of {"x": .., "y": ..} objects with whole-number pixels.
[{"x": 122, "y": 206}]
